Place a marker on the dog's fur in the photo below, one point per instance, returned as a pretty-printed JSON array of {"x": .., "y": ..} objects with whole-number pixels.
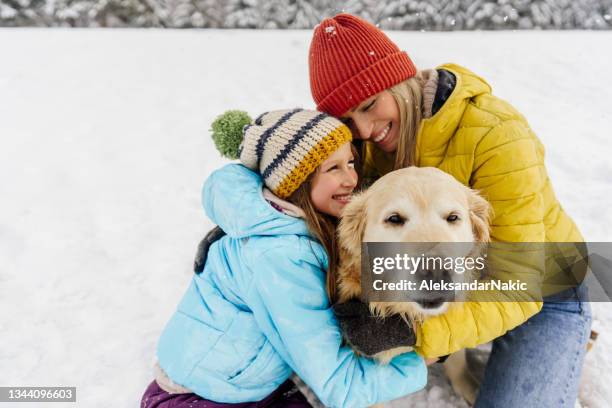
[{"x": 424, "y": 198}]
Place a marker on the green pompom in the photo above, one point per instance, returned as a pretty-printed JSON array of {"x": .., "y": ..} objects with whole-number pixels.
[{"x": 227, "y": 132}]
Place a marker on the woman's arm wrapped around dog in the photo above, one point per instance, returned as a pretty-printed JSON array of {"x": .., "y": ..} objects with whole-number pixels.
[{"x": 510, "y": 174}]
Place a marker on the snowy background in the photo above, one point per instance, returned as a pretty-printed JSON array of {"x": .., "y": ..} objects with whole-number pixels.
[
  {"x": 104, "y": 146},
  {"x": 427, "y": 15}
]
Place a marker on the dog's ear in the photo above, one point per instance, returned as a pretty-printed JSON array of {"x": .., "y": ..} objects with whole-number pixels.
[
  {"x": 480, "y": 216},
  {"x": 352, "y": 224}
]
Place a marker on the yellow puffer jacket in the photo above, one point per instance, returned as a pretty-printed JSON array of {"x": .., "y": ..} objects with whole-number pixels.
[{"x": 486, "y": 144}]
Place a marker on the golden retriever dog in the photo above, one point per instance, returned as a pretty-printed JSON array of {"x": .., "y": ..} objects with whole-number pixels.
[{"x": 413, "y": 205}]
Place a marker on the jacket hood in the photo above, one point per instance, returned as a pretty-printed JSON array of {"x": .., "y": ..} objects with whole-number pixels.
[
  {"x": 436, "y": 132},
  {"x": 233, "y": 199}
]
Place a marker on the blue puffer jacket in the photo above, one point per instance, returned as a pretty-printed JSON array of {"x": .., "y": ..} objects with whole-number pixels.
[{"x": 260, "y": 311}]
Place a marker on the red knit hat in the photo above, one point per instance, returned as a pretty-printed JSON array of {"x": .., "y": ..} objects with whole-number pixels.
[{"x": 351, "y": 60}]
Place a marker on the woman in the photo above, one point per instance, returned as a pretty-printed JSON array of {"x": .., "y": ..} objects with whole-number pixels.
[{"x": 449, "y": 119}]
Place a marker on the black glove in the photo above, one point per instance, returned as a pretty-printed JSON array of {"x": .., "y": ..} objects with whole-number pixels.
[
  {"x": 200, "y": 259},
  {"x": 370, "y": 334}
]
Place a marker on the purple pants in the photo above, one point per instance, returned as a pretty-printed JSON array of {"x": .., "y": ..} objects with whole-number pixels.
[{"x": 285, "y": 396}]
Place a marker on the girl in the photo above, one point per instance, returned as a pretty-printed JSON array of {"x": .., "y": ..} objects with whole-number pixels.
[
  {"x": 448, "y": 118},
  {"x": 260, "y": 309}
]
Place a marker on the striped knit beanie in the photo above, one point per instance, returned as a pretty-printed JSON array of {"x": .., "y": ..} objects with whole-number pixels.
[
  {"x": 286, "y": 146},
  {"x": 351, "y": 60}
]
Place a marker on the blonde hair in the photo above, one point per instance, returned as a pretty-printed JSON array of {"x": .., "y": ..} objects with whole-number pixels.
[
  {"x": 323, "y": 226},
  {"x": 409, "y": 97}
]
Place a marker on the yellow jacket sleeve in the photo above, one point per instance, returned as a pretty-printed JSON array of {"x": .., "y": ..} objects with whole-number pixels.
[{"x": 509, "y": 173}]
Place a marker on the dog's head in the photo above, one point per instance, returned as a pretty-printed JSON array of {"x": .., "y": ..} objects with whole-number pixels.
[{"x": 410, "y": 205}]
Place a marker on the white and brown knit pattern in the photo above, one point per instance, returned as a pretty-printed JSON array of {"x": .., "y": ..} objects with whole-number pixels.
[{"x": 286, "y": 146}]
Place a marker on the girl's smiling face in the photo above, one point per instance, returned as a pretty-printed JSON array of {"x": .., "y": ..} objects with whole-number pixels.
[
  {"x": 376, "y": 119},
  {"x": 334, "y": 181}
]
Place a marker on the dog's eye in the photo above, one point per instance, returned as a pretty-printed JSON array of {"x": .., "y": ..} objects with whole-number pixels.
[
  {"x": 452, "y": 218},
  {"x": 395, "y": 219}
]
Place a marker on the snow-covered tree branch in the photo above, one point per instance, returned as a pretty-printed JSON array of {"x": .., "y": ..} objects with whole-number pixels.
[{"x": 429, "y": 15}]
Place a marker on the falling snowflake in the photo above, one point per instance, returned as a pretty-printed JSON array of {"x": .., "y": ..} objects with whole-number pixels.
[
  {"x": 371, "y": 53},
  {"x": 330, "y": 30}
]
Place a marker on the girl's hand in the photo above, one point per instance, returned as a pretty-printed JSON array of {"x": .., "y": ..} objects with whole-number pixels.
[{"x": 371, "y": 334}]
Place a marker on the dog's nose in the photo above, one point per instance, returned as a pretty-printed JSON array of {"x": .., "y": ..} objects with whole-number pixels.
[
  {"x": 435, "y": 275},
  {"x": 436, "y": 294}
]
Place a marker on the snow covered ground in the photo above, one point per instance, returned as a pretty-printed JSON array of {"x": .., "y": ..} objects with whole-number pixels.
[{"x": 104, "y": 146}]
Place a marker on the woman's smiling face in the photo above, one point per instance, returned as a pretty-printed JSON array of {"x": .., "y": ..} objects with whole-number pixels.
[{"x": 376, "y": 119}]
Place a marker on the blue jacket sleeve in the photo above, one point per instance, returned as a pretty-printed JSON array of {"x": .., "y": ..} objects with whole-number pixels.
[{"x": 288, "y": 299}]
